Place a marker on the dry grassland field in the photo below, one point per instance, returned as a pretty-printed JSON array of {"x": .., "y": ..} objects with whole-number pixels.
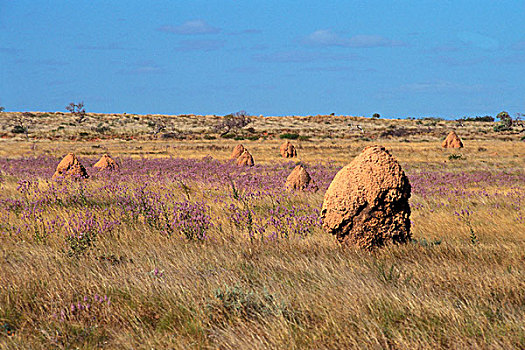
[{"x": 182, "y": 248}]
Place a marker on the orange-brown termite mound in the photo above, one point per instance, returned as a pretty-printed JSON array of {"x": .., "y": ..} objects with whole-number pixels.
[
  {"x": 452, "y": 141},
  {"x": 237, "y": 152},
  {"x": 299, "y": 179},
  {"x": 245, "y": 159},
  {"x": 106, "y": 163},
  {"x": 70, "y": 167},
  {"x": 288, "y": 150},
  {"x": 366, "y": 204}
]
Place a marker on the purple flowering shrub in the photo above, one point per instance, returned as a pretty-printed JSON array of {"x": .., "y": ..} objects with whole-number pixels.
[
  {"x": 189, "y": 197},
  {"x": 84, "y": 228},
  {"x": 191, "y": 219}
]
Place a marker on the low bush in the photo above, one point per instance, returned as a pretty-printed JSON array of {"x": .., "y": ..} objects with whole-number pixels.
[
  {"x": 455, "y": 156},
  {"x": 169, "y": 135},
  {"x": 101, "y": 128},
  {"x": 289, "y": 136},
  {"x": 19, "y": 129},
  {"x": 486, "y": 118}
]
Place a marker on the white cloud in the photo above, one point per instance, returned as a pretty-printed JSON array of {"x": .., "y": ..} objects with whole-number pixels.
[{"x": 190, "y": 28}]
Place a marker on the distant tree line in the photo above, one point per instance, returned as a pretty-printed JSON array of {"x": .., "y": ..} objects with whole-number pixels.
[{"x": 486, "y": 118}]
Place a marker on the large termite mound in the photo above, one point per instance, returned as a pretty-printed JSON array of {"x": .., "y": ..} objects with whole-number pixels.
[
  {"x": 70, "y": 167},
  {"x": 366, "y": 204}
]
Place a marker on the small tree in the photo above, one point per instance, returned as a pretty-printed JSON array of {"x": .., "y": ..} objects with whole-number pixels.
[
  {"x": 22, "y": 123},
  {"x": 2, "y": 109},
  {"x": 77, "y": 110},
  {"x": 505, "y": 122},
  {"x": 376, "y": 115},
  {"x": 232, "y": 122}
]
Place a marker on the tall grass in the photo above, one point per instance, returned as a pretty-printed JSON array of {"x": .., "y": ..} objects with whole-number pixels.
[{"x": 138, "y": 286}]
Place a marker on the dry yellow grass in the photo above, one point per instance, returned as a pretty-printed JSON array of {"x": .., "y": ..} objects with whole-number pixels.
[{"x": 232, "y": 293}]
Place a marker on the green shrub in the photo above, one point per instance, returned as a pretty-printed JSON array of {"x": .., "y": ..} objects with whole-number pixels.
[
  {"x": 486, "y": 118},
  {"x": 501, "y": 127},
  {"x": 289, "y": 136},
  {"x": 505, "y": 122},
  {"x": 433, "y": 119},
  {"x": 454, "y": 156},
  {"x": 19, "y": 129},
  {"x": 101, "y": 128},
  {"x": 246, "y": 304}
]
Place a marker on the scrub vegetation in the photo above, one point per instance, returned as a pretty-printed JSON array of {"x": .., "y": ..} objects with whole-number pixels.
[{"x": 181, "y": 248}]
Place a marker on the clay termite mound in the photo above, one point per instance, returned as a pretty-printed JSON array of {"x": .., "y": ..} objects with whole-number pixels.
[
  {"x": 70, "y": 167},
  {"x": 106, "y": 163},
  {"x": 299, "y": 179},
  {"x": 237, "y": 152},
  {"x": 245, "y": 159},
  {"x": 452, "y": 141},
  {"x": 288, "y": 150},
  {"x": 366, "y": 204}
]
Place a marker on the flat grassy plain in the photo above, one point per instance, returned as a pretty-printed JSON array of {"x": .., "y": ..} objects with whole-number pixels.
[{"x": 181, "y": 249}]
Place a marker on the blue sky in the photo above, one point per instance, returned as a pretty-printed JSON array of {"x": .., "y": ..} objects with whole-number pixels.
[{"x": 396, "y": 58}]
